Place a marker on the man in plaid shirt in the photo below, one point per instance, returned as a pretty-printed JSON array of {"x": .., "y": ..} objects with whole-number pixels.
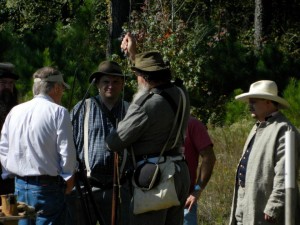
[{"x": 101, "y": 113}]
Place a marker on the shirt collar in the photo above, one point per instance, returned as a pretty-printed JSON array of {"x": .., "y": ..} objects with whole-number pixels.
[
  {"x": 267, "y": 118},
  {"x": 47, "y": 97},
  {"x": 271, "y": 115}
]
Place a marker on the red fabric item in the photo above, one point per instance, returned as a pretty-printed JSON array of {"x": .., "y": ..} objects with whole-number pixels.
[{"x": 196, "y": 140}]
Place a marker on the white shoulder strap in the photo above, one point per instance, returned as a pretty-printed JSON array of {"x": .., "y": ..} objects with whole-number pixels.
[
  {"x": 126, "y": 106},
  {"x": 86, "y": 136}
]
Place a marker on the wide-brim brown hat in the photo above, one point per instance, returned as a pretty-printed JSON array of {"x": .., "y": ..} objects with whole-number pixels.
[
  {"x": 107, "y": 68},
  {"x": 264, "y": 89},
  {"x": 6, "y": 71},
  {"x": 150, "y": 62}
]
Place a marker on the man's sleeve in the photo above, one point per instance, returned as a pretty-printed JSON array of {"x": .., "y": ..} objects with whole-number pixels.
[
  {"x": 66, "y": 146},
  {"x": 129, "y": 129}
]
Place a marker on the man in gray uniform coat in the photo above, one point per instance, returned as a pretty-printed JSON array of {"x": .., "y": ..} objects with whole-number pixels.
[
  {"x": 147, "y": 126},
  {"x": 259, "y": 194}
]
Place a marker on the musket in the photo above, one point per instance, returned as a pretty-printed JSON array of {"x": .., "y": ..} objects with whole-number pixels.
[
  {"x": 83, "y": 100},
  {"x": 72, "y": 89},
  {"x": 114, "y": 208},
  {"x": 116, "y": 174},
  {"x": 116, "y": 192},
  {"x": 116, "y": 177}
]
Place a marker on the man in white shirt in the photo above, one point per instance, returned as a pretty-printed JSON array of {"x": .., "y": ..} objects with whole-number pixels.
[{"x": 37, "y": 148}]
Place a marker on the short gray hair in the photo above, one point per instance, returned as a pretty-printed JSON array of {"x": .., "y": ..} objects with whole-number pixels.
[{"x": 40, "y": 86}]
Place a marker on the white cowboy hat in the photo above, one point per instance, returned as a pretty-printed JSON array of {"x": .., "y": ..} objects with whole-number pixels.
[{"x": 265, "y": 89}]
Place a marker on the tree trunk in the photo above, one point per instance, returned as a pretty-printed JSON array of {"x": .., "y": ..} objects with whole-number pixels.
[
  {"x": 119, "y": 11},
  {"x": 258, "y": 24},
  {"x": 262, "y": 22}
]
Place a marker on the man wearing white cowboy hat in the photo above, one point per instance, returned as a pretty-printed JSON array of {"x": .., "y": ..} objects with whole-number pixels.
[{"x": 259, "y": 192}]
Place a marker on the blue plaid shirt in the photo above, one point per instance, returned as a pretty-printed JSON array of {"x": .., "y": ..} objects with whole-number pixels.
[{"x": 100, "y": 126}]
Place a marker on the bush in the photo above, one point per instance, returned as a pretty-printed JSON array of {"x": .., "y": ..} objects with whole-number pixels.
[
  {"x": 292, "y": 95},
  {"x": 215, "y": 201},
  {"x": 235, "y": 110}
]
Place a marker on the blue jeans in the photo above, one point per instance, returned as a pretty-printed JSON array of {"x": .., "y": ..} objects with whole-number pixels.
[
  {"x": 190, "y": 217},
  {"x": 46, "y": 196}
]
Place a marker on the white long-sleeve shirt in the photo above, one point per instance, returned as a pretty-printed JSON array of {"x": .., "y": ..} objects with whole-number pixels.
[{"x": 36, "y": 139}]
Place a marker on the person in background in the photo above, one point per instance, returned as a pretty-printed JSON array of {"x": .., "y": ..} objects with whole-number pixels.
[
  {"x": 197, "y": 143},
  {"x": 259, "y": 191},
  {"x": 149, "y": 122},
  {"x": 37, "y": 148},
  {"x": 8, "y": 99},
  {"x": 102, "y": 113}
]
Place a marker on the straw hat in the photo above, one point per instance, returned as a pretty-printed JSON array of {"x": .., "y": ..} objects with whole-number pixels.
[{"x": 264, "y": 89}]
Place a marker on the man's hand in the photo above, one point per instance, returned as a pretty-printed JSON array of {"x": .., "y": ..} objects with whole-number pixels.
[
  {"x": 128, "y": 46},
  {"x": 270, "y": 219},
  {"x": 192, "y": 199},
  {"x": 70, "y": 184}
]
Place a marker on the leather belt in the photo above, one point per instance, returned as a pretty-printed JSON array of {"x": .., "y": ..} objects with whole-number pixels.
[
  {"x": 147, "y": 156},
  {"x": 94, "y": 182},
  {"x": 40, "y": 178},
  {"x": 163, "y": 159}
]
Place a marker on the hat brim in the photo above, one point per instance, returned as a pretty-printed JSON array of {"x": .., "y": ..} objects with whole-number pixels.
[
  {"x": 99, "y": 74},
  {"x": 150, "y": 69},
  {"x": 10, "y": 75},
  {"x": 66, "y": 85},
  {"x": 245, "y": 98}
]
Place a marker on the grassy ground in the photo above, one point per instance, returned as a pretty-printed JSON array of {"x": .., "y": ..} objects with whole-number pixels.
[{"x": 215, "y": 202}]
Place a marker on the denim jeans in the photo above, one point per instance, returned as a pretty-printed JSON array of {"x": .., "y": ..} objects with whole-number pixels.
[
  {"x": 47, "y": 197},
  {"x": 190, "y": 217}
]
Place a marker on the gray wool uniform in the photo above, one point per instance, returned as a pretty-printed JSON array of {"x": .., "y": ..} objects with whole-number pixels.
[
  {"x": 146, "y": 128},
  {"x": 264, "y": 188}
]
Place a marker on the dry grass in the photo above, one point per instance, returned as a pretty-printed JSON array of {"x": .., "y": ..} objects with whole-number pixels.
[{"x": 215, "y": 202}]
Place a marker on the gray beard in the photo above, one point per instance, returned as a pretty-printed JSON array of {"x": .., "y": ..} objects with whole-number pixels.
[{"x": 142, "y": 89}]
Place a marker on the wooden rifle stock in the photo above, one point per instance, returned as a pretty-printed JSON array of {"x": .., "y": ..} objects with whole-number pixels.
[{"x": 115, "y": 189}]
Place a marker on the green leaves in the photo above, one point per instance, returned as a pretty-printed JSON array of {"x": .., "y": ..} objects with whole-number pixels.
[{"x": 209, "y": 45}]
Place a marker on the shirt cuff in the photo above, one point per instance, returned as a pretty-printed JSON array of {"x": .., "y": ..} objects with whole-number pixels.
[{"x": 114, "y": 142}]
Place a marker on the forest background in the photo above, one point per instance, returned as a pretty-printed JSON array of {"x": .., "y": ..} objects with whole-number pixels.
[{"x": 218, "y": 47}]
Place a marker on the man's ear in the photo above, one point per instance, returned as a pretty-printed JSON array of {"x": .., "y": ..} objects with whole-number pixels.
[{"x": 56, "y": 88}]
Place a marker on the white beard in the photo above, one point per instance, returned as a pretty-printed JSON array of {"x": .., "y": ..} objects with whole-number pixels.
[{"x": 142, "y": 89}]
